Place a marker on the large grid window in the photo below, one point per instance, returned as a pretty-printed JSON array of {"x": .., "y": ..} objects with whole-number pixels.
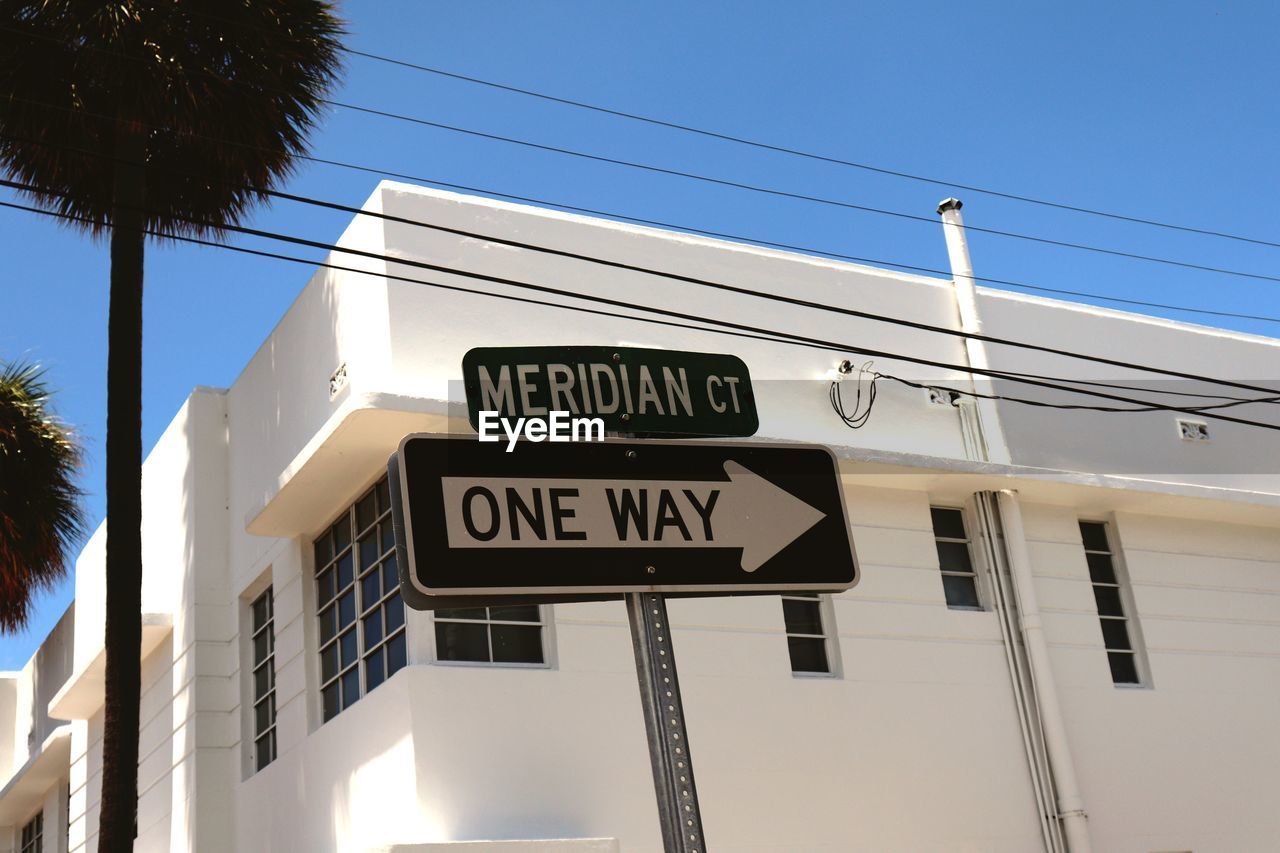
[
  {"x": 807, "y": 636},
  {"x": 33, "y": 835},
  {"x": 362, "y": 639},
  {"x": 509, "y": 635},
  {"x": 959, "y": 578},
  {"x": 1116, "y": 635},
  {"x": 263, "y": 644}
]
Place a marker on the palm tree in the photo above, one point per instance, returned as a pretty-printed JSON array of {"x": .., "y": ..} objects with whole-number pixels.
[
  {"x": 41, "y": 519},
  {"x": 162, "y": 117}
]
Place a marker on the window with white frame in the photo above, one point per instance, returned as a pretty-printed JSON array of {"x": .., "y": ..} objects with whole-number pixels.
[
  {"x": 959, "y": 578},
  {"x": 511, "y": 634},
  {"x": 1108, "y": 593},
  {"x": 262, "y": 644},
  {"x": 362, "y": 638},
  {"x": 808, "y": 634},
  {"x": 32, "y": 839}
]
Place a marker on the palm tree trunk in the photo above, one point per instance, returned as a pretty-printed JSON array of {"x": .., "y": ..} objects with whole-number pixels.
[{"x": 118, "y": 815}]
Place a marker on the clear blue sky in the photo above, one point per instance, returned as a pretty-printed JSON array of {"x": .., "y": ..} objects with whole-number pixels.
[{"x": 1163, "y": 110}]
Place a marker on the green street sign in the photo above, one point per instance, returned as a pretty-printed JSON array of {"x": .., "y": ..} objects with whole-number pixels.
[{"x": 632, "y": 390}]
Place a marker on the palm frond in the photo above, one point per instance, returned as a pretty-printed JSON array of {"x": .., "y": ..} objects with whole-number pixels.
[{"x": 41, "y": 518}]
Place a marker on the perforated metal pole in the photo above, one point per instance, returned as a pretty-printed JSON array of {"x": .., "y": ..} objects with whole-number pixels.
[{"x": 664, "y": 722}]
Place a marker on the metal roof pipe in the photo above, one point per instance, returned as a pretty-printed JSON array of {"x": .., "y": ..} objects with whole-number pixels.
[
  {"x": 1070, "y": 804},
  {"x": 994, "y": 447}
]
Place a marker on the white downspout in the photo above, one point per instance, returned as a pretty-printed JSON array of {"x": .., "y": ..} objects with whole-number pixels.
[
  {"x": 995, "y": 447},
  {"x": 1070, "y": 805}
]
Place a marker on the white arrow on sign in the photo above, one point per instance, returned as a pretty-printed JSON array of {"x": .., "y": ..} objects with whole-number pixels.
[{"x": 747, "y": 512}]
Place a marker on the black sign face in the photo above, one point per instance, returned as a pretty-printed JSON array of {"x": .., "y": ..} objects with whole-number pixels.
[
  {"x": 632, "y": 390},
  {"x": 618, "y": 516}
]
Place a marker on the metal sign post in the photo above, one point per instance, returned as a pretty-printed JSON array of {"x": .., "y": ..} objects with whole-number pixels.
[{"x": 678, "y": 811}]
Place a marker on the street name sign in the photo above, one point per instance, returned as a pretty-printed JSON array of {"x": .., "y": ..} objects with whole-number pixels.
[
  {"x": 632, "y": 389},
  {"x": 618, "y": 516}
]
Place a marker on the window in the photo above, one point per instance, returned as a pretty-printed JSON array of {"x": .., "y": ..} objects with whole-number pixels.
[
  {"x": 33, "y": 835},
  {"x": 263, "y": 644},
  {"x": 807, "y": 639},
  {"x": 959, "y": 579},
  {"x": 362, "y": 639},
  {"x": 510, "y": 635},
  {"x": 1116, "y": 633}
]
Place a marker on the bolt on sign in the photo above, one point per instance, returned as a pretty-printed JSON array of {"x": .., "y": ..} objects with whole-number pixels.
[
  {"x": 619, "y": 516},
  {"x": 633, "y": 390}
]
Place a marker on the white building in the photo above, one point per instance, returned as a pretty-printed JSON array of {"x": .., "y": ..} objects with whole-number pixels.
[{"x": 939, "y": 726}]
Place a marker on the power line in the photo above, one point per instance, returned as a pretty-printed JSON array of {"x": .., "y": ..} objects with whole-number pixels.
[
  {"x": 782, "y": 149},
  {"x": 776, "y": 297},
  {"x": 717, "y": 234},
  {"x": 771, "y": 191},
  {"x": 727, "y": 137},
  {"x": 768, "y": 334},
  {"x": 778, "y": 193},
  {"x": 790, "y": 300}
]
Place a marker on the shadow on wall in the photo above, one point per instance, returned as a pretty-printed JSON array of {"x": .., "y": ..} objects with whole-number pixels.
[{"x": 53, "y": 665}]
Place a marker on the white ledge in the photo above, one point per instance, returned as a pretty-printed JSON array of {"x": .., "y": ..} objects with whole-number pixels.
[
  {"x": 82, "y": 695},
  {"x": 26, "y": 789}
]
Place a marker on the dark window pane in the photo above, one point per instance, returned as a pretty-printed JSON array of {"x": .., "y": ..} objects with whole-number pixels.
[
  {"x": 324, "y": 550},
  {"x": 260, "y": 612},
  {"x": 961, "y": 591},
  {"x": 366, "y": 512},
  {"x": 350, "y": 687},
  {"x": 1094, "y": 536},
  {"x": 264, "y": 713},
  {"x": 263, "y": 680},
  {"x": 328, "y": 623},
  {"x": 390, "y": 577},
  {"x": 326, "y": 586},
  {"x": 1100, "y": 568},
  {"x": 345, "y": 575},
  {"x": 329, "y": 662},
  {"x": 397, "y": 654},
  {"x": 394, "y": 610},
  {"x": 518, "y": 613},
  {"x": 462, "y": 641},
  {"x": 373, "y": 629},
  {"x": 266, "y": 749},
  {"x": 1115, "y": 635},
  {"x": 347, "y": 609},
  {"x": 387, "y": 536},
  {"x": 948, "y": 523},
  {"x": 374, "y": 670},
  {"x": 384, "y": 497},
  {"x": 808, "y": 654},
  {"x": 350, "y": 648},
  {"x": 341, "y": 534},
  {"x": 1108, "y": 598},
  {"x": 368, "y": 547},
  {"x": 802, "y": 617},
  {"x": 517, "y": 644},
  {"x": 954, "y": 557},
  {"x": 370, "y": 590},
  {"x": 332, "y": 704},
  {"x": 261, "y": 646},
  {"x": 463, "y": 613},
  {"x": 1124, "y": 668}
]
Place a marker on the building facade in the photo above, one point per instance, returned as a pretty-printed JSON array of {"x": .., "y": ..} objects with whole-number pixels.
[{"x": 1066, "y": 633}]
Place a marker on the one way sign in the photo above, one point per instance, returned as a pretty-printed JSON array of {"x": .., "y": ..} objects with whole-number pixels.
[{"x": 620, "y": 516}]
